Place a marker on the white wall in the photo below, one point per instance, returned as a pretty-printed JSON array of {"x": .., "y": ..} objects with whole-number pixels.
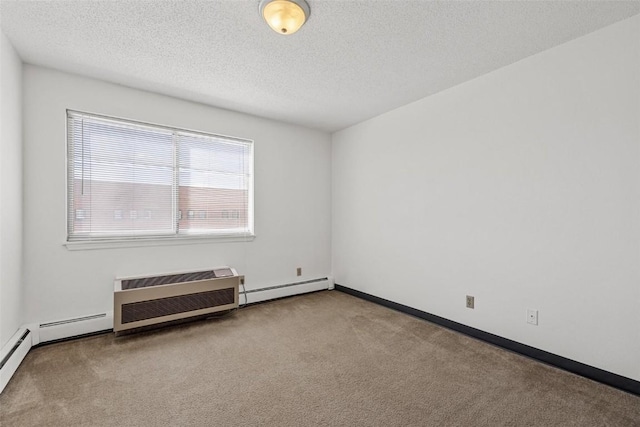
[
  {"x": 292, "y": 198},
  {"x": 10, "y": 191},
  {"x": 521, "y": 188}
]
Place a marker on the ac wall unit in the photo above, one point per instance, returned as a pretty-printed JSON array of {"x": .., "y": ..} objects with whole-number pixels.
[{"x": 140, "y": 302}]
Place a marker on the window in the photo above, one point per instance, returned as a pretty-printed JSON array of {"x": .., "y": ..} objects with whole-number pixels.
[{"x": 119, "y": 171}]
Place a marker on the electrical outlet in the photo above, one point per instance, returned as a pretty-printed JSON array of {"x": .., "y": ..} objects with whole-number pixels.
[
  {"x": 470, "y": 301},
  {"x": 532, "y": 316},
  {"x": 299, "y": 271}
]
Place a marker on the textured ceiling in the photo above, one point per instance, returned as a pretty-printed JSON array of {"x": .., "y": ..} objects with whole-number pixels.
[{"x": 352, "y": 60}]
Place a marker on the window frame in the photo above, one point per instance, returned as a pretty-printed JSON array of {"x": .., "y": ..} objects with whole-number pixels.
[{"x": 122, "y": 240}]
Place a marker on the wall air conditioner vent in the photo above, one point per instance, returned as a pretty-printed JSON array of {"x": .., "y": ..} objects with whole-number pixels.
[
  {"x": 143, "y": 282},
  {"x": 142, "y": 310},
  {"x": 150, "y": 300}
]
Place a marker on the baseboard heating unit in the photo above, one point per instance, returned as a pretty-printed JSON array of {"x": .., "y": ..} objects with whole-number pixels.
[
  {"x": 251, "y": 296},
  {"x": 12, "y": 354},
  {"x": 140, "y": 302}
]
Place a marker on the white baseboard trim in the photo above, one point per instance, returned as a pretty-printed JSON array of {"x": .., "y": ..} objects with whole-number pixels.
[{"x": 12, "y": 354}]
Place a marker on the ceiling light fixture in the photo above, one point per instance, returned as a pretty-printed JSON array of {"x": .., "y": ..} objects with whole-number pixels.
[{"x": 285, "y": 16}]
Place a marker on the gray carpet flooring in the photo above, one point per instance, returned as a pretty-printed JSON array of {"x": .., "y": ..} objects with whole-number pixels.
[{"x": 322, "y": 359}]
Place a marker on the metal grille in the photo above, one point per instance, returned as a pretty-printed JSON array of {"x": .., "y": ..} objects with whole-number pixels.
[
  {"x": 151, "y": 309},
  {"x": 167, "y": 280}
]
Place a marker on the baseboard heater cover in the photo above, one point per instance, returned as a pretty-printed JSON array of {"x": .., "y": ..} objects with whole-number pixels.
[
  {"x": 74, "y": 320},
  {"x": 13, "y": 354},
  {"x": 59, "y": 330},
  {"x": 140, "y": 302},
  {"x": 251, "y": 296}
]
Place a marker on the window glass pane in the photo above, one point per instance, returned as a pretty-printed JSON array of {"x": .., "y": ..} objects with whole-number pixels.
[{"x": 214, "y": 179}]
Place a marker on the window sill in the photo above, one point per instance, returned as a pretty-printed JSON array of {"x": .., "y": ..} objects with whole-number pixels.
[{"x": 82, "y": 245}]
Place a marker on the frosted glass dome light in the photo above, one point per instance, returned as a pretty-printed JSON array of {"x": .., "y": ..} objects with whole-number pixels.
[{"x": 285, "y": 16}]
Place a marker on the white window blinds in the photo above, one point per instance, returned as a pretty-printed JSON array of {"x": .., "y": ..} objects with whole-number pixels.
[{"x": 134, "y": 180}]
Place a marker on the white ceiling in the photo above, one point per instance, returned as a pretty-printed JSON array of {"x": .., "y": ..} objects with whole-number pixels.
[{"x": 352, "y": 60}]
